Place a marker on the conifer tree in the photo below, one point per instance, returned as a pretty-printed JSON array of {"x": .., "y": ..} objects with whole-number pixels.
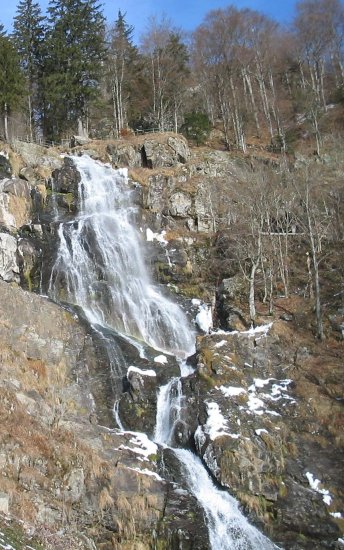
[
  {"x": 12, "y": 85},
  {"x": 28, "y": 35},
  {"x": 2, "y": 30},
  {"x": 75, "y": 50}
]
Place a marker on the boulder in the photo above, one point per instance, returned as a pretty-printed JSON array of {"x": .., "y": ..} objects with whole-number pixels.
[
  {"x": 124, "y": 154},
  {"x": 15, "y": 203},
  {"x": 35, "y": 155},
  {"x": 67, "y": 178},
  {"x": 16, "y": 187},
  {"x": 27, "y": 173}
]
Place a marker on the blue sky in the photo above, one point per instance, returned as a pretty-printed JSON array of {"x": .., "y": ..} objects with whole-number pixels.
[{"x": 186, "y": 14}]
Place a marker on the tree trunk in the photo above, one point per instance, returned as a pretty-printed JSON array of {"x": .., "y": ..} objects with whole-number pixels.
[{"x": 6, "y": 121}]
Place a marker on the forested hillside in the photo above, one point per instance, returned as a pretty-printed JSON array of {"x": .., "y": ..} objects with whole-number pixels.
[{"x": 70, "y": 72}]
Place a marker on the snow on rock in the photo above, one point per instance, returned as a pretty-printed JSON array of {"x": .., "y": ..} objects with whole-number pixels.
[
  {"x": 160, "y": 359},
  {"x": 140, "y": 371},
  {"x": 142, "y": 445},
  {"x": 151, "y": 236},
  {"x": 315, "y": 485},
  {"x": 261, "y": 431},
  {"x": 220, "y": 344},
  {"x": 146, "y": 472},
  {"x": 204, "y": 318},
  {"x": 215, "y": 426},
  {"x": 231, "y": 391}
]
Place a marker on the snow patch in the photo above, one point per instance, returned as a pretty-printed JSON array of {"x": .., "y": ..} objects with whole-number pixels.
[
  {"x": 151, "y": 236},
  {"x": 220, "y": 344},
  {"x": 215, "y": 426},
  {"x": 204, "y": 318},
  {"x": 315, "y": 485},
  {"x": 161, "y": 359},
  {"x": 261, "y": 431},
  {"x": 147, "y": 473},
  {"x": 231, "y": 391},
  {"x": 140, "y": 371},
  {"x": 142, "y": 445}
]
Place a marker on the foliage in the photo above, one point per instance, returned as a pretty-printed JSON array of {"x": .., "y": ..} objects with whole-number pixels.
[
  {"x": 12, "y": 85},
  {"x": 196, "y": 127},
  {"x": 72, "y": 64},
  {"x": 28, "y": 35}
]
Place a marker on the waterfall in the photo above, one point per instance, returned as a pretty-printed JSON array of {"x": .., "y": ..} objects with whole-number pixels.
[
  {"x": 228, "y": 528},
  {"x": 100, "y": 266},
  {"x": 100, "y": 269}
]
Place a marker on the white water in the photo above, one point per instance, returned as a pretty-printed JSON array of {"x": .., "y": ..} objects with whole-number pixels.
[
  {"x": 228, "y": 528},
  {"x": 100, "y": 266}
]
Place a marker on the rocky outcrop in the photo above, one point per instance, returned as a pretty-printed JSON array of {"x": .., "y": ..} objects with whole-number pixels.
[
  {"x": 15, "y": 203},
  {"x": 74, "y": 483},
  {"x": 161, "y": 152},
  {"x": 261, "y": 425}
]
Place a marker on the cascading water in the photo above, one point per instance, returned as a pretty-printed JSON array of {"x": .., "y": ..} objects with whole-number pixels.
[
  {"x": 100, "y": 268},
  {"x": 228, "y": 528}
]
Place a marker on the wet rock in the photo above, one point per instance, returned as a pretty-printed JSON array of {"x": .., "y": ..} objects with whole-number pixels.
[
  {"x": 5, "y": 167},
  {"x": 67, "y": 178}
]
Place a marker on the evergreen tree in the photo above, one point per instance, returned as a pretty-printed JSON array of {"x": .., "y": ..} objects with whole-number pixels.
[
  {"x": 12, "y": 84},
  {"x": 28, "y": 34},
  {"x": 75, "y": 50},
  {"x": 196, "y": 127},
  {"x": 2, "y": 30}
]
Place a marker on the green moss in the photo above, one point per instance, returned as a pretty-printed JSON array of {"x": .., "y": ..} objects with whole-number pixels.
[
  {"x": 208, "y": 380},
  {"x": 13, "y": 535},
  {"x": 28, "y": 280},
  {"x": 69, "y": 198}
]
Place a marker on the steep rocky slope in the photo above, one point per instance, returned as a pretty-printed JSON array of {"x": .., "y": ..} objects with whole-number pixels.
[{"x": 263, "y": 409}]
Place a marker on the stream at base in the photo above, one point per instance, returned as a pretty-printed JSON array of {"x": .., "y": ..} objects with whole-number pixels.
[{"x": 100, "y": 269}]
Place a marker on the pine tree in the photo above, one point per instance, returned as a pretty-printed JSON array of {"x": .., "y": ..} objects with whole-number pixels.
[
  {"x": 75, "y": 50},
  {"x": 12, "y": 84},
  {"x": 28, "y": 35},
  {"x": 2, "y": 30}
]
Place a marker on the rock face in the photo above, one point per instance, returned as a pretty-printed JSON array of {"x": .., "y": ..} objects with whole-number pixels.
[
  {"x": 261, "y": 425},
  {"x": 9, "y": 266},
  {"x": 150, "y": 152},
  {"x": 55, "y": 459},
  {"x": 263, "y": 408}
]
